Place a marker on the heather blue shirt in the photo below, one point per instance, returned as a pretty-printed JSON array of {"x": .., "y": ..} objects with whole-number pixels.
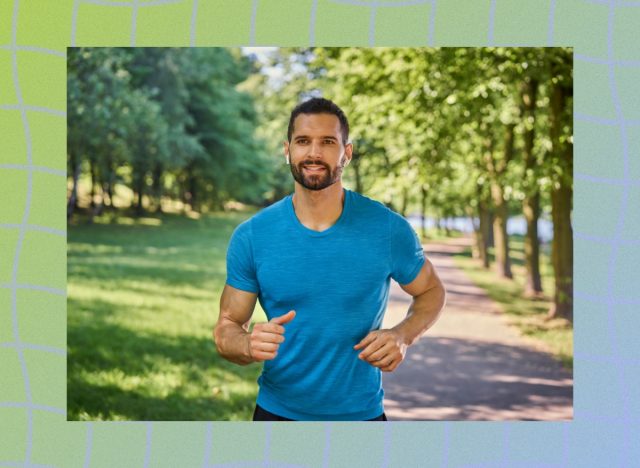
[{"x": 337, "y": 281}]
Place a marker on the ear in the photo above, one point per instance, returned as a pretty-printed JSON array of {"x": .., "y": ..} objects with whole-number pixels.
[
  {"x": 348, "y": 152},
  {"x": 286, "y": 152}
]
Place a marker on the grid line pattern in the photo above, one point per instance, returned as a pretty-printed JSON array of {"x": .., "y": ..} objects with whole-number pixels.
[{"x": 502, "y": 442}]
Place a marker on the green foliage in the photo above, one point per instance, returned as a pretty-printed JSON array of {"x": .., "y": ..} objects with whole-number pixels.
[
  {"x": 206, "y": 125},
  {"x": 143, "y": 298},
  {"x": 431, "y": 122},
  {"x": 174, "y": 117}
]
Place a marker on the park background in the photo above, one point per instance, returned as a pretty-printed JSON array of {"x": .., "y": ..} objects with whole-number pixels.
[
  {"x": 169, "y": 149},
  {"x": 33, "y": 171}
]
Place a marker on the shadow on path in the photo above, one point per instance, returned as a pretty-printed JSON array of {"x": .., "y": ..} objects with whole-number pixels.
[
  {"x": 462, "y": 379},
  {"x": 471, "y": 365}
]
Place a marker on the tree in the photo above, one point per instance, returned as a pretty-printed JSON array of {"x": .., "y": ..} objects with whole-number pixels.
[
  {"x": 97, "y": 100},
  {"x": 174, "y": 120},
  {"x": 561, "y": 159},
  {"x": 531, "y": 202}
]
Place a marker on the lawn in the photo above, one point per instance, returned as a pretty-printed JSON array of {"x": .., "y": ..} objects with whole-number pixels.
[
  {"x": 527, "y": 315},
  {"x": 438, "y": 235},
  {"x": 143, "y": 298}
]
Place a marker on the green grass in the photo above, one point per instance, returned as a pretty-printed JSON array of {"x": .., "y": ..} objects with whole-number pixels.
[
  {"x": 529, "y": 316},
  {"x": 438, "y": 235},
  {"x": 143, "y": 298}
]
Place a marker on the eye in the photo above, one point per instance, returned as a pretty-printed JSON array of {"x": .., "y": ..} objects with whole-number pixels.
[
  {"x": 329, "y": 141},
  {"x": 302, "y": 141}
]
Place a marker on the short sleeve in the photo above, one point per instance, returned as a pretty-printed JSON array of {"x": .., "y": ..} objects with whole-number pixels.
[
  {"x": 241, "y": 271},
  {"x": 407, "y": 255}
]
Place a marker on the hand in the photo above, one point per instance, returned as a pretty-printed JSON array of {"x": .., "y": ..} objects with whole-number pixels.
[
  {"x": 383, "y": 349},
  {"x": 265, "y": 338}
]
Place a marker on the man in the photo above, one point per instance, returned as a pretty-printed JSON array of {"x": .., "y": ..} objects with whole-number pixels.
[{"x": 320, "y": 262}]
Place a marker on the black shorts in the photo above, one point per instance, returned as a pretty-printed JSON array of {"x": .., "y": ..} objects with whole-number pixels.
[{"x": 261, "y": 414}]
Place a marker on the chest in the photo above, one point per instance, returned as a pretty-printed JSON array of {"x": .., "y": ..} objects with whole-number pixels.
[{"x": 345, "y": 270}]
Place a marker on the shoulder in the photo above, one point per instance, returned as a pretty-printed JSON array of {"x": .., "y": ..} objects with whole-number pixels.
[
  {"x": 272, "y": 212},
  {"x": 396, "y": 226},
  {"x": 264, "y": 218},
  {"x": 375, "y": 209},
  {"x": 368, "y": 205}
]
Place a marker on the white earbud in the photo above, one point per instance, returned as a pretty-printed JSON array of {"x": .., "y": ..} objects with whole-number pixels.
[{"x": 287, "y": 159}]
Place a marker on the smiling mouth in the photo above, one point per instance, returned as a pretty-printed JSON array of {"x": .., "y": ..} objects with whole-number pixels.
[{"x": 314, "y": 168}]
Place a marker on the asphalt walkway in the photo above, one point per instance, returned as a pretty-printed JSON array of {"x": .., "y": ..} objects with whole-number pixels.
[{"x": 471, "y": 365}]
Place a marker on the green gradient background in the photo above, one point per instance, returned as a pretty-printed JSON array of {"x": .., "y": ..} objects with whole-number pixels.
[{"x": 32, "y": 231}]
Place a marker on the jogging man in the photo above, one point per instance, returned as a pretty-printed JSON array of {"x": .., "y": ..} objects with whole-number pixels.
[{"x": 320, "y": 262}]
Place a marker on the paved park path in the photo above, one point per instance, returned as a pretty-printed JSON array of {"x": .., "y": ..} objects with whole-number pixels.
[{"x": 471, "y": 365}]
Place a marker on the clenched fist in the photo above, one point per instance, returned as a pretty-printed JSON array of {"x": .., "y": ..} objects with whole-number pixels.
[
  {"x": 265, "y": 338},
  {"x": 383, "y": 349}
]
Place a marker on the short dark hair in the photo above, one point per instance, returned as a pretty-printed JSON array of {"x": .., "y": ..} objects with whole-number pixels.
[{"x": 320, "y": 106}]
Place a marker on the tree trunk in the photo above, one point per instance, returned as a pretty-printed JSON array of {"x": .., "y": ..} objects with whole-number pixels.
[
  {"x": 405, "y": 202},
  {"x": 491, "y": 242},
  {"x": 92, "y": 171},
  {"x": 503, "y": 263},
  {"x": 193, "y": 183},
  {"x": 484, "y": 228},
  {"x": 111, "y": 186},
  {"x": 561, "y": 202},
  {"x": 99, "y": 208},
  {"x": 477, "y": 237},
  {"x": 139, "y": 189},
  {"x": 184, "y": 190},
  {"x": 531, "y": 210},
  {"x": 562, "y": 253},
  {"x": 531, "y": 202},
  {"x": 139, "y": 208},
  {"x": 157, "y": 186},
  {"x": 72, "y": 204},
  {"x": 110, "y": 190},
  {"x": 107, "y": 185},
  {"x": 107, "y": 201},
  {"x": 498, "y": 171},
  {"x": 96, "y": 207}
]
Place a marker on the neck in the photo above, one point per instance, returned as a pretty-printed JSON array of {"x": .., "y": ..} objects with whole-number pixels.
[{"x": 318, "y": 209}]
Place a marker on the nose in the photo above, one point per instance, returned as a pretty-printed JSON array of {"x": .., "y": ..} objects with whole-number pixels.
[{"x": 314, "y": 149}]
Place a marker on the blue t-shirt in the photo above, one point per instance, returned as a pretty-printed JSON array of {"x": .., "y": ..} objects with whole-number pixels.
[{"x": 337, "y": 281}]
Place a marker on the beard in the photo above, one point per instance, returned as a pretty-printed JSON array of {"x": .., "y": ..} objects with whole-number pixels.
[{"x": 318, "y": 181}]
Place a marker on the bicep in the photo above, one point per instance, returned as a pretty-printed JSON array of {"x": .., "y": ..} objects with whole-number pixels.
[
  {"x": 236, "y": 305},
  {"x": 426, "y": 279}
]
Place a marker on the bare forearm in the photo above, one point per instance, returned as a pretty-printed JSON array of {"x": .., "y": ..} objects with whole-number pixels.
[
  {"x": 232, "y": 342},
  {"x": 423, "y": 313}
]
